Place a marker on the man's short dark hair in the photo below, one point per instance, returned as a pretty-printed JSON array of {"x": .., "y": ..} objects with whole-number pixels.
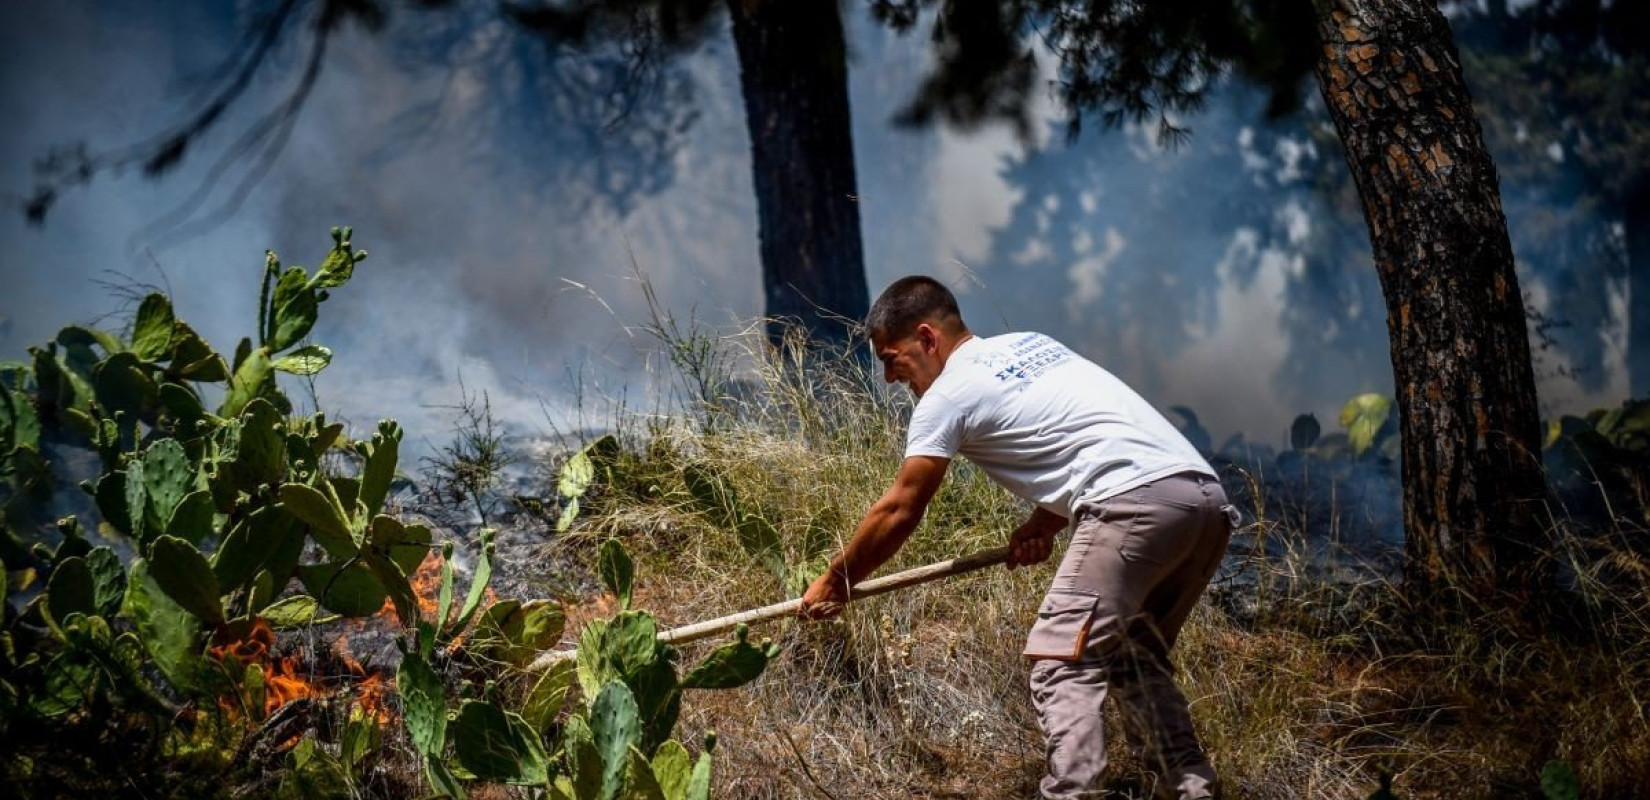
[{"x": 911, "y": 300}]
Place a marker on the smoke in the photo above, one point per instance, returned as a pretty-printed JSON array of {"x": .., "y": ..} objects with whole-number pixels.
[{"x": 509, "y": 240}]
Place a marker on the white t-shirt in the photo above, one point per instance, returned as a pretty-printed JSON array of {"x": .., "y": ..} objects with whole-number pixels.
[{"x": 1047, "y": 424}]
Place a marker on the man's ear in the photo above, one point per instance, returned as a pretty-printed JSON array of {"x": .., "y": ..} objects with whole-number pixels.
[{"x": 928, "y": 337}]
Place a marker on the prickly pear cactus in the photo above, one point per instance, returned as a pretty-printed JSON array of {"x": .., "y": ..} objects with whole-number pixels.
[
  {"x": 496, "y": 745},
  {"x": 699, "y": 783},
  {"x": 584, "y": 762},
  {"x": 423, "y": 705},
  {"x": 304, "y": 361},
  {"x": 184, "y": 575},
  {"x": 168, "y": 631},
  {"x": 620, "y": 647},
  {"x": 167, "y": 478},
  {"x": 152, "y": 329},
  {"x": 548, "y": 695},
  {"x": 324, "y": 515},
  {"x": 109, "y": 493},
  {"x": 259, "y": 451},
  {"x": 71, "y": 590},
  {"x": 108, "y": 581},
  {"x": 579, "y": 473},
  {"x": 734, "y": 664},
  {"x": 478, "y": 586},
  {"x": 617, "y": 571},
  {"x": 268, "y": 538},
  {"x": 194, "y": 518},
  {"x": 673, "y": 770},
  {"x": 346, "y": 587},
  {"x": 616, "y": 726},
  {"x": 339, "y": 265},
  {"x": 513, "y": 632},
  {"x": 121, "y": 384},
  {"x": 380, "y": 454}
]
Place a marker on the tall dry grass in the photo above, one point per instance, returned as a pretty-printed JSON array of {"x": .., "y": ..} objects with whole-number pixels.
[{"x": 1303, "y": 682}]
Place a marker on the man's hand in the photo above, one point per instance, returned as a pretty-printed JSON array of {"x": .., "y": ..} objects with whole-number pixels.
[
  {"x": 825, "y": 597},
  {"x": 1033, "y": 541}
]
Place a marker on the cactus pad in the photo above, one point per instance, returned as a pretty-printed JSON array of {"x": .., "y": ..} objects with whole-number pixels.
[
  {"x": 108, "y": 581},
  {"x": 183, "y": 574},
  {"x": 615, "y": 724},
  {"x": 381, "y": 454},
  {"x": 495, "y": 745},
  {"x": 168, "y": 631},
  {"x": 353, "y": 591},
  {"x": 71, "y": 590},
  {"x": 734, "y": 664},
  {"x": 423, "y": 705},
  {"x": 672, "y": 769},
  {"x": 617, "y": 571},
  {"x": 325, "y": 519}
]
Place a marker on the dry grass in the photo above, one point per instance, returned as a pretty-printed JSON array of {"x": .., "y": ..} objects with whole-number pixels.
[{"x": 1301, "y": 686}]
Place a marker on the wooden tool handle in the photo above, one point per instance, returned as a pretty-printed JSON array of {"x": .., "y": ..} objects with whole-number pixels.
[{"x": 870, "y": 588}]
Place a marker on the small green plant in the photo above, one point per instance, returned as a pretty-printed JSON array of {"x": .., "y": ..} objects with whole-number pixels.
[
  {"x": 468, "y": 469},
  {"x": 1559, "y": 782},
  {"x": 610, "y": 712},
  {"x": 1599, "y": 464},
  {"x": 581, "y": 471},
  {"x": 632, "y": 694}
]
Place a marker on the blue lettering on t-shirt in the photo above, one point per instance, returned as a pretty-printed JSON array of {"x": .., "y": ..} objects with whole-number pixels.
[{"x": 1034, "y": 355}]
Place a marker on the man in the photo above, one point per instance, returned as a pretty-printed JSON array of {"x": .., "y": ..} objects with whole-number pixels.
[{"x": 1149, "y": 523}]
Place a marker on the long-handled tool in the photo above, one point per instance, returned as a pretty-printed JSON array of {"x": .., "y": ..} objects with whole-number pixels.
[{"x": 870, "y": 588}]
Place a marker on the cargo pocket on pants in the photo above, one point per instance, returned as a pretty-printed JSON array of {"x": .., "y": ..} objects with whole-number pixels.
[{"x": 1062, "y": 627}]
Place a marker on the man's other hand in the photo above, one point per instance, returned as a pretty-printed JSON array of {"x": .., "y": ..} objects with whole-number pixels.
[
  {"x": 1029, "y": 544},
  {"x": 825, "y": 597}
]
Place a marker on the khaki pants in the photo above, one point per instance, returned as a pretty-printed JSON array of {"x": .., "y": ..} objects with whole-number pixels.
[{"x": 1135, "y": 568}]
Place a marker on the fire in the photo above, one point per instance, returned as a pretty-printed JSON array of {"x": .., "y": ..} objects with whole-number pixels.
[
  {"x": 373, "y": 693},
  {"x": 426, "y": 586},
  {"x": 244, "y": 644},
  {"x": 372, "y": 690},
  {"x": 243, "y": 641},
  {"x": 285, "y": 681}
]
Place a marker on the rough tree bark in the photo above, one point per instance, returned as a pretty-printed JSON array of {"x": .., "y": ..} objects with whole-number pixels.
[
  {"x": 1472, "y": 476},
  {"x": 794, "y": 72}
]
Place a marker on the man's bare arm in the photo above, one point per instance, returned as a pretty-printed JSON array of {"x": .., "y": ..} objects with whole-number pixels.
[{"x": 880, "y": 534}]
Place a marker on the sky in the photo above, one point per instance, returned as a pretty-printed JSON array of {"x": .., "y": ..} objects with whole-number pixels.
[{"x": 510, "y": 232}]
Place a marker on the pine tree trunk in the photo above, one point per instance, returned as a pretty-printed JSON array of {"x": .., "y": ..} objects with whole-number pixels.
[
  {"x": 794, "y": 72},
  {"x": 1473, "y": 484},
  {"x": 1638, "y": 291}
]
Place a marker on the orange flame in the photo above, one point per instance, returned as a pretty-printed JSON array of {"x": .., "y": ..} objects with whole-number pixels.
[
  {"x": 284, "y": 682},
  {"x": 372, "y": 690},
  {"x": 373, "y": 694},
  {"x": 426, "y": 586},
  {"x": 242, "y": 642},
  {"x": 287, "y": 678}
]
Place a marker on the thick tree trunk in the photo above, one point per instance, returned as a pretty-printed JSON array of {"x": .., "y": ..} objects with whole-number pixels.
[
  {"x": 794, "y": 71},
  {"x": 1638, "y": 290},
  {"x": 1460, "y": 351}
]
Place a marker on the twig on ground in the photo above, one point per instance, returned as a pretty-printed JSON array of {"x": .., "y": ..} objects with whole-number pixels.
[{"x": 806, "y": 771}]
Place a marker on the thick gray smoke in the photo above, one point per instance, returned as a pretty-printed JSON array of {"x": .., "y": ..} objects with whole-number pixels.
[{"x": 500, "y": 254}]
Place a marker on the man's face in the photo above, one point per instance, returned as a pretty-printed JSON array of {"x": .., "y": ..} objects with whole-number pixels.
[{"x": 912, "y": 360}]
